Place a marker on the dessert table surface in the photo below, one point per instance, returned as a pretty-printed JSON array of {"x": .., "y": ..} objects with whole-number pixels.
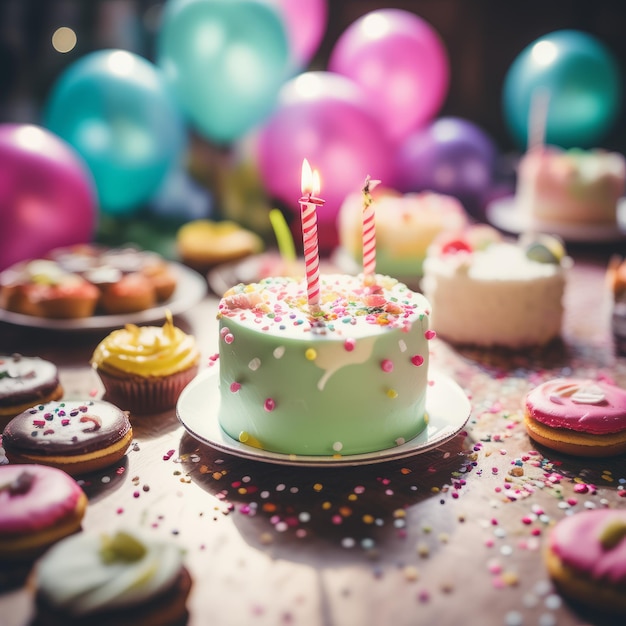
[{"x": 452, "y": 535}]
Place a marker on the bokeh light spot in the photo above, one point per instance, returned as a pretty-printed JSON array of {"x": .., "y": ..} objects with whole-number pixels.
[{"x": 64, "y": 39}]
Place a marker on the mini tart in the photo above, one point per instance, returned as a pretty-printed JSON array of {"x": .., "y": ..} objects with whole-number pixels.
[
  {"x": 24, "y": 382},
  {"x": 126, "y": 579},
  {"x": 145, "y": 368},
  {"x": 131, "y": 293},
  {"x": 78, "y": 437},
  {"x": 160, "y": 274},
  {"x": 204, "y": 243},
  {"x": 74, "y": 298},
  {"x": 39, "y": 505},
  {"x": 585, "y": 556},
  {"x": 578, "y": 417}
]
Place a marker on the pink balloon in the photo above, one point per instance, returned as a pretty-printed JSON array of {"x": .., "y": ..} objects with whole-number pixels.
[
  {"x": 325, "y": 118},
  {"x": 402, "y": 64},
  {"x": 47, "y": 195},
  {"x": 305, "y": 23}
]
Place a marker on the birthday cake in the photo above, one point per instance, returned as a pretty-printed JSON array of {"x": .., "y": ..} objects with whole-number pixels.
[
  {"x": 347, "y": 376},
  {"x": 573, "y": 186},
  {"x": 405, "y": 226},
  {"x": 491, "y": 292}
]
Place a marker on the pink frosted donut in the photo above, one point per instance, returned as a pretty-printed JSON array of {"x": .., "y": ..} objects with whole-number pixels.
[
  {"x": 577, "y": 416},
  {"x": 38, "y": 506},
  {"x": 586, "y": 557}
]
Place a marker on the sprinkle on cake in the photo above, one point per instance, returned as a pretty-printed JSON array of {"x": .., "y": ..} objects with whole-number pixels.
[{"x": 272, "y": 302}]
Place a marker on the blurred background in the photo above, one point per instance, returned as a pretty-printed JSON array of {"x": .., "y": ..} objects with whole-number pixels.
[
  {"x": 208, "y": 128},
  {"x": 483, "y": 38}
]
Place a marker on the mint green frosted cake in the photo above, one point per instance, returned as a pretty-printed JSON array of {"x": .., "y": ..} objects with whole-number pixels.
[{"x": 349, "y": 379}]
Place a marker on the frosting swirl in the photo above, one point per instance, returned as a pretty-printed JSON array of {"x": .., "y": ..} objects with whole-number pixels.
[
  {"x": 79, "y": 576},
  {"x": 146, "y": 350}
]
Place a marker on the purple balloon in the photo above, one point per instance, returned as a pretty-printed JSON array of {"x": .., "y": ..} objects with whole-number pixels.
[
  {"x": 47, "y": 195},
  {"x": 400, "y": 61},
  {"x": 325, "y": 118},
  {"x": 450, "y": 156}
]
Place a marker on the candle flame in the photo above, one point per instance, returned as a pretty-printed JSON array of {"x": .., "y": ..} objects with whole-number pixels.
[{"x": 310, "y": 181}]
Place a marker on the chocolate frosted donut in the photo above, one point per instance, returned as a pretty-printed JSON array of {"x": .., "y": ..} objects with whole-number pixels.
[
  {"x": 24, "y": 382},
  {"x": 75, "y": 436}
]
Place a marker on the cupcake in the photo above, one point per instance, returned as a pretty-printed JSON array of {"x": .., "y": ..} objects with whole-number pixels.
[{"x": 144, "y": 368}]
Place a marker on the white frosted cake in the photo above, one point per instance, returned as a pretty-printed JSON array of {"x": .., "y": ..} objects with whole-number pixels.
[
  {"x": 507, "y": 294},
  {"x": 573, "y": 186},
  {"x": 350, "y": 379},
  {"x": 405, "y": 226}
]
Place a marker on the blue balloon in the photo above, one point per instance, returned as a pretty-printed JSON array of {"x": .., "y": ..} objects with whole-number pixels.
[
  {"x": 225, "y": 61},
  {"x": 581, "y": 81},
  {"x": 115, "y": 109}
]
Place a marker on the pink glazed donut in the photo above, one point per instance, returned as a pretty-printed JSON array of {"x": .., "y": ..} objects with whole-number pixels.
[
  {"x": 38, "y": 506},
  {"x": 576, "y": 416},
  {"x": 586, "y": 557}
]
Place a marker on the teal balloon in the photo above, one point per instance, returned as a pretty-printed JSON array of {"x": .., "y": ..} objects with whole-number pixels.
[
  {"x": 582, "y": 83},
  {"x": 225, "y": 61},
  {"x": 115, "y": 109}
]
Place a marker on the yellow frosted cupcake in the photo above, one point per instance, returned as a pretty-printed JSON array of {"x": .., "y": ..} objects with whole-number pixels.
[{"x": 144, "y": 368}]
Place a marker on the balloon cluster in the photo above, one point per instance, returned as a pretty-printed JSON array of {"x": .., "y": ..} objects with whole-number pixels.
[
  {"x": 115, "y": 125},
  {"x": 387, "y": 77},
  {"x": 114, "y": 129}
]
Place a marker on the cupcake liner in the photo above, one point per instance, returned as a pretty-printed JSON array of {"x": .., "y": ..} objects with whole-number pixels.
[{"x": 146, "y": 394}]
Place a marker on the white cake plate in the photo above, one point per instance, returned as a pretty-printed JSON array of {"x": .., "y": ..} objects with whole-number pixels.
[
  {"x": 447, "y": 406},
  {"x": 507, "y": 216}
]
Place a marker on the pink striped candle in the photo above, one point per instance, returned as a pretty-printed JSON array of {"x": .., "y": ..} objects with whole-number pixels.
[
  {"x": 369, "y": 231},
  {"x": 310, "y": 185}
]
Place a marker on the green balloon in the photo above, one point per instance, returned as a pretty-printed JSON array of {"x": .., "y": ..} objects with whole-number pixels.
[
  {"x": 225, "y": 61},
  {"x": 581, "y": 81}
]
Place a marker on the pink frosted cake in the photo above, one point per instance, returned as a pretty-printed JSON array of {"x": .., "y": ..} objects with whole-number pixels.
[
  {"x": 405, "y": 226},
  {"x": 571, "y": 186}
]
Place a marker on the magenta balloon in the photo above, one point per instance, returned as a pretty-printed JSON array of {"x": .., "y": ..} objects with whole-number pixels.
[
  {"x": 400, "y": 60},
  {"x": 47, "y": 195},
  {"x": 451, "y": 156},
  {"x": 324, "y": 118},
  {"x": 305, "y": 23}
]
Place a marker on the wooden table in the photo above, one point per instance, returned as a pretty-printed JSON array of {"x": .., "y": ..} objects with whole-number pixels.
[{"x": 451, "y": 536}]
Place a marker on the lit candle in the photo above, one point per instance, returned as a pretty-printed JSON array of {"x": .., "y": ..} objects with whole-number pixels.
[
  {"x": 310, "y": 185},
  {"x": 369, "y": 231}
]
